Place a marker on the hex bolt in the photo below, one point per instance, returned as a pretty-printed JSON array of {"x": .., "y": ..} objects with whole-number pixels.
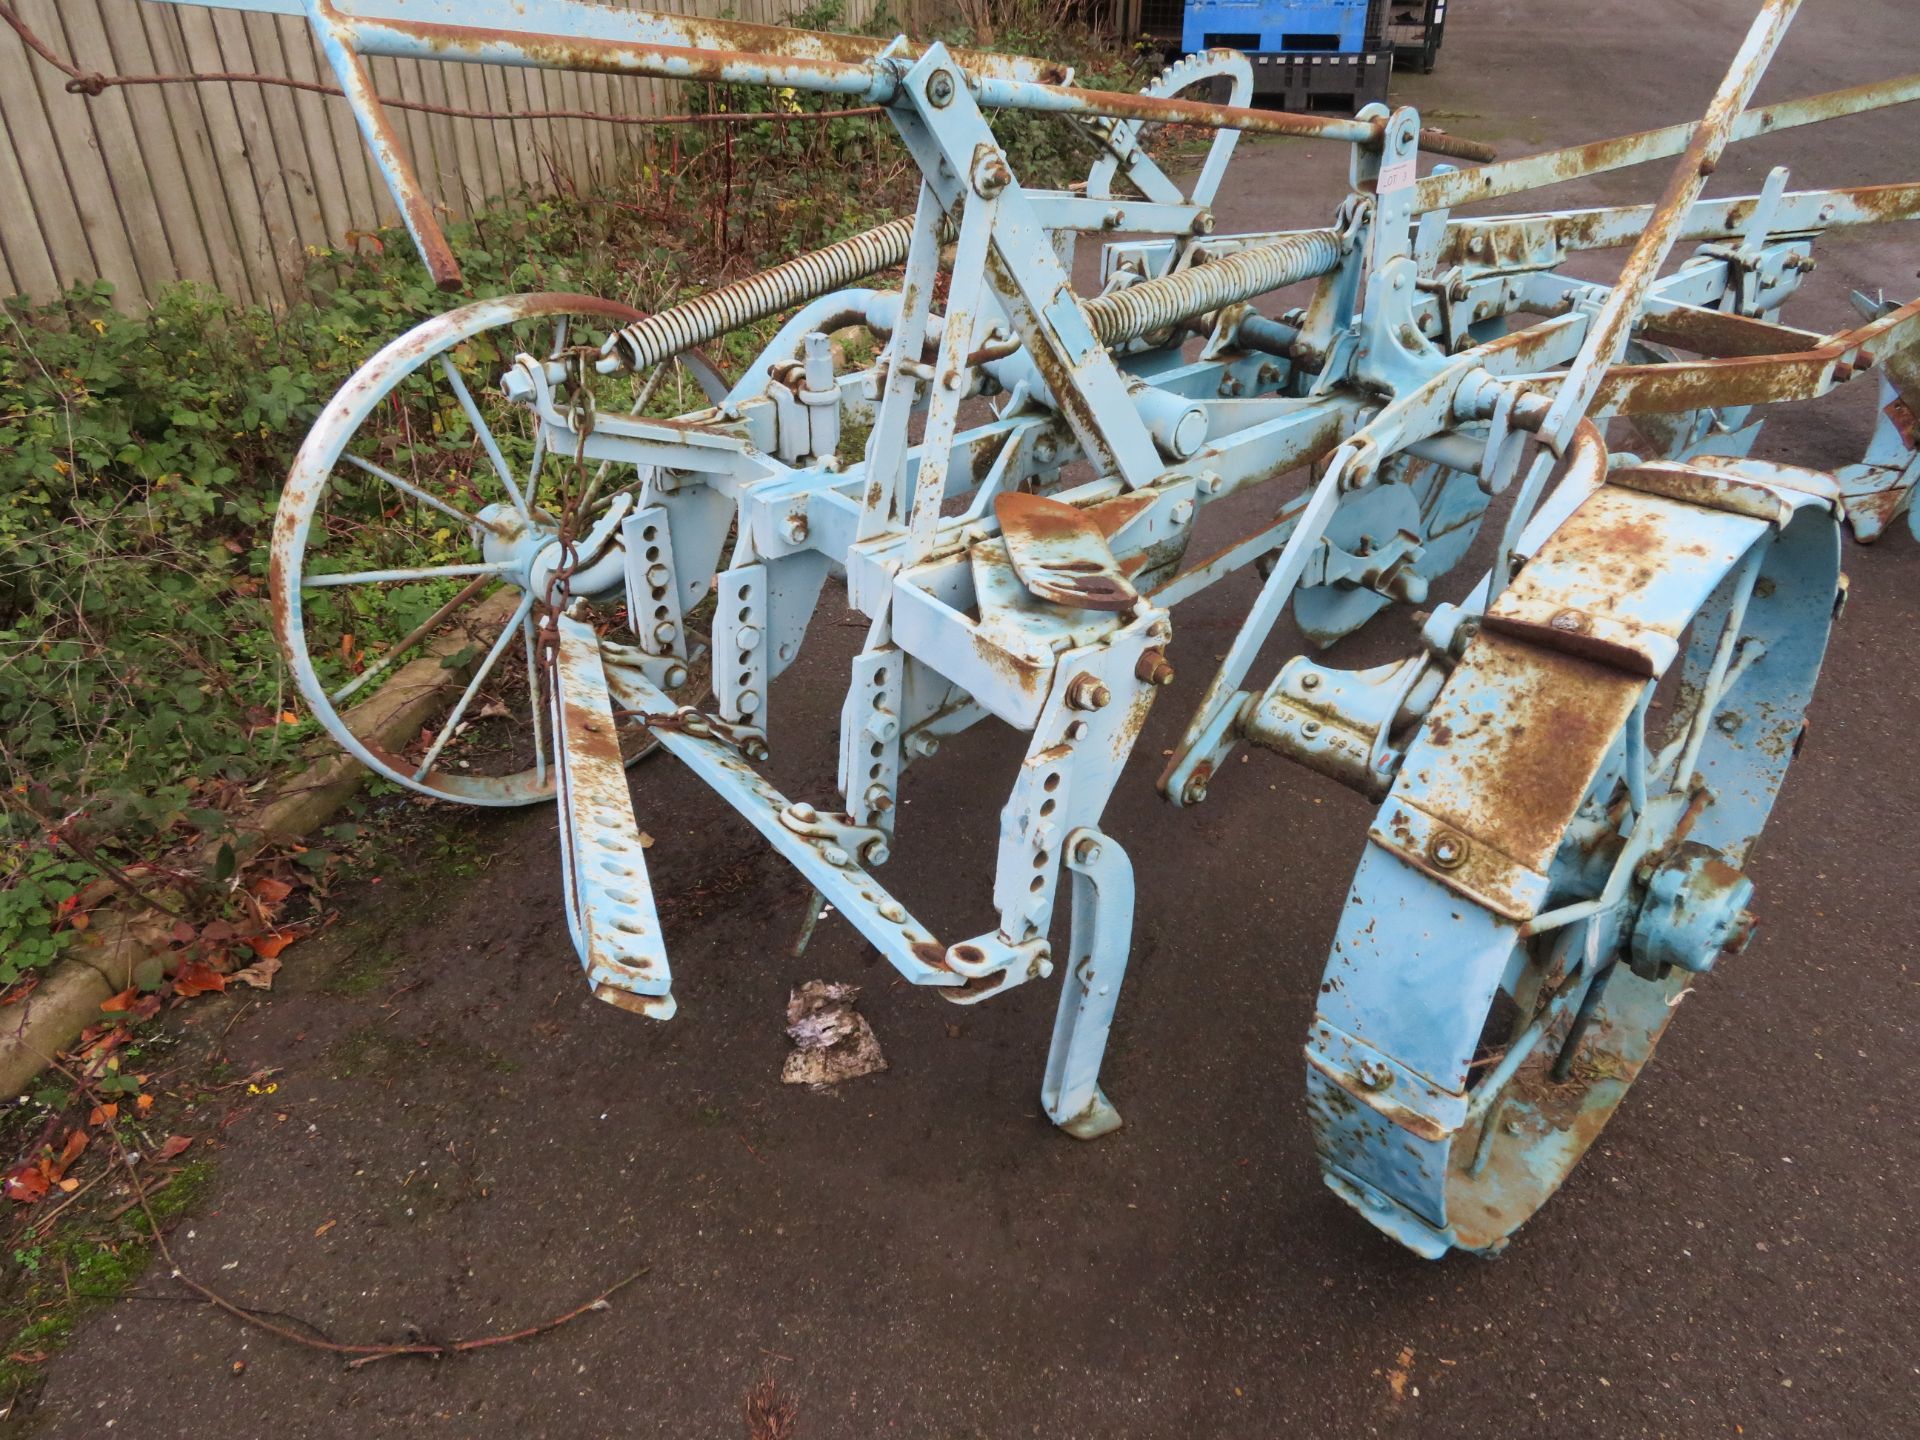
[
  {"x": 1203, "y": 223},
  {"x": 1153, "y": 668},
  {"x": 1086, "y": 852},
  {"x": 1447, "y": 850},
  {"x": 748, "y": 701},
  {"x": 1195, "y": 791},
  {"x": 658, "y": 576},
  {"x": 756, "y": 748},
  {"x": 940, "y": 89},
  {"x": 747, "y": 637},
  {"x": 923, "y": 745},
  {"x": 1088, "y": 692},
  {"x": 675, "y": 677},
  {"x": 664, "y": 632},
  {"x": 991, "y": 175},
  {"x": 878, "y": 798},
  {"x": 794, "y": 530},
  {"x": 875, "y": 852},
  {"x": 835, "y": 856},
  {"x": 882, "y": 725}
]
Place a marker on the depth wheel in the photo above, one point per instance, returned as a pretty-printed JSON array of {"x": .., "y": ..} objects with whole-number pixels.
[
  {"x": 1563, "y": 849},
  {"x": 409, "y": 525}
]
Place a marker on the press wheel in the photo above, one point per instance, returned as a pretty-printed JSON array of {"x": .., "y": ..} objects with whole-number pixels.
[{"x": 1564, "y": 848}]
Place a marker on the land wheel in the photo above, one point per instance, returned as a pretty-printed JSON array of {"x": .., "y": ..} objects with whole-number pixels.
[
  {"x": 1564, "y": 847},
  {"x": 412, "y": 520}
]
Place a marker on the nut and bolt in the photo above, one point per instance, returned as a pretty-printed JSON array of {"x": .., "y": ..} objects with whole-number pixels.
[
  {"x": 940, "y": 88},
  {"x": 802, "y": 812},
  {"x": 1153, "y": 668},
  {"x": 835, "y": 856},
  {"x": 1374, "y": 1076},
  {"x": 747, "y": 637},
  {"x": 794, "y": 529},
  {"x": 748, "y": 702},
  {"x": 675, "y": 677},
  {"x": 875, "y": 852},
  {"x": 1086, "y": 852},
  {"x": 923, "y": 745},
  {"x": 1194, "y": 791},
  {"x": 1571, "y": 621},
  {"x": 1088, "y": 692},
  {"x": 1447, "y": 850},
  {"x": 658, "y": 576},
  {"x": 878, "y": 798},
  {"x": 664, "y": 632},
  {"x": 1203, "y": 223}
]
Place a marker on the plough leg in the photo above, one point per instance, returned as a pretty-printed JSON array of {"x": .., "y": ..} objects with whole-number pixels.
[{"x": 1102, "y": 935}]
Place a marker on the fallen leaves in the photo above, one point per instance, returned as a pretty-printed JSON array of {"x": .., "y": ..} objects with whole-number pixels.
[
  {"x": 172, "y": 1146},
  {"x": 34, "y": 1178},
  {"x": 197, "y": 977},
  {"x": 832, "y": 1040},
  {"x": 259, "y": 974}
]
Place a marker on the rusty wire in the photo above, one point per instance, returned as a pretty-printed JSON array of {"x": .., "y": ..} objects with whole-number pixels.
[{"x": 93, "y": 84}]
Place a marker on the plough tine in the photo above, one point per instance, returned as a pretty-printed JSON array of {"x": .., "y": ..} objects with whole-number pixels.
[{"x": 610, "y": 909}]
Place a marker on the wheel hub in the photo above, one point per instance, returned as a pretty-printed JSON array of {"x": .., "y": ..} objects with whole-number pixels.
[{"x": 1695, "y": 910}]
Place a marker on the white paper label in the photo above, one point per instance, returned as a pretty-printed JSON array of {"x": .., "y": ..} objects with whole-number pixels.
[{"x": 1395, "y": 175}]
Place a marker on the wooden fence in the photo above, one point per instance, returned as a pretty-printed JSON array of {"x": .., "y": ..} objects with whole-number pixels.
[{"x": 229, "y": 183}]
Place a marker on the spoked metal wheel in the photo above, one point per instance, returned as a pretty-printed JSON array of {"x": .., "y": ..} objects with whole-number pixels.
[
  {"x": 1564, "y": 848},
  {"x": 418, "y": 520}
]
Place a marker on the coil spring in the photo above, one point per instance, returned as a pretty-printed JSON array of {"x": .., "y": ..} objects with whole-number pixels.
[
  {"x": 707, "y": 317},
  {"x": 1155, "y": 304}
]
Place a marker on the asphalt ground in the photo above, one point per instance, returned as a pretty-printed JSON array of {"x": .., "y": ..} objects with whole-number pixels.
[{"x": 461, "y": 1140}]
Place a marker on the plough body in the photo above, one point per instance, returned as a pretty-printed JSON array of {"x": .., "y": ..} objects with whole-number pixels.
[{"x": 1571, "y": 770}]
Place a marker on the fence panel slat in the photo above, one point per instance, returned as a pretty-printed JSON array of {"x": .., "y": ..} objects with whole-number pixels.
[{"x": 228, "y": 183}]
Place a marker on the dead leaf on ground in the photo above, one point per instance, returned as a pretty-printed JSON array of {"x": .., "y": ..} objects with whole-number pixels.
[
  {"x": 172, "y": 1146},
  {"x": 269, "y": 946},
  {"x": 259, "y": 974},
  {"x": 196, "y": 977},
  {"x": 832, "y": 1040}
]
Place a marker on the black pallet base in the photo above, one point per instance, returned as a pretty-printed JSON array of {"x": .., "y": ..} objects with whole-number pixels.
[{"x": 1327, "y": 83}]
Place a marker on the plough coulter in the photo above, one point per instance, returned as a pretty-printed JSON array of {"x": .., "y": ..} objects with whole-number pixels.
[{"x": 1571, "y": 769}]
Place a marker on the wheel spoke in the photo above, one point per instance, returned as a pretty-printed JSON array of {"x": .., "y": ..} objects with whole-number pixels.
[
  {"x": 473, "y": 686},
  {"x": 420, "y": 632},
  {"x": 487, "y": 442},
  {"x": 406, "y": 487},
  {"x": 1719, "y": 679},
  {"x": 535, "y": 704},
  {"x": 419, "y": 572}
]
